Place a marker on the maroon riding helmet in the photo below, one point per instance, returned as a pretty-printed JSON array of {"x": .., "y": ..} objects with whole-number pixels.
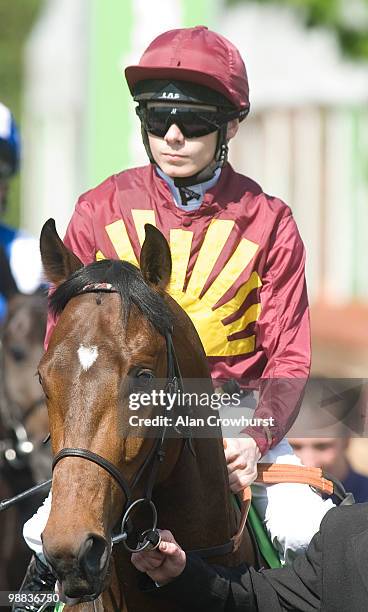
[{"x": 196, "y": 55}]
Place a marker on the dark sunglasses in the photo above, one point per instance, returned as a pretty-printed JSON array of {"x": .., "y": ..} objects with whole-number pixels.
[{"x": 191, "y": 121}]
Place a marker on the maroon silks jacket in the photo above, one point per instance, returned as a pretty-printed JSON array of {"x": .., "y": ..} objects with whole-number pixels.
[{"x": 238, "y": 271}]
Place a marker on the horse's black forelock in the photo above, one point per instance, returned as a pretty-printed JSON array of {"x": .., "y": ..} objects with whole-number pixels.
[{"x": 127, "y": 280}]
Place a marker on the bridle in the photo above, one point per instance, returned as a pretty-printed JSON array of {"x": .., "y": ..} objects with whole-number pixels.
[
  {"x": 149, "y": 539},
  {"x": 154, "y": 458}
]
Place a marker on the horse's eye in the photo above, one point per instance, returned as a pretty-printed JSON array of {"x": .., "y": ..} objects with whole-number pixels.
[
  {"x": 144, "y": 375},
  {"x": 39, "y": 378},
  {"x": 143, "y": 379},
  {"x": 17, "y": 353}
]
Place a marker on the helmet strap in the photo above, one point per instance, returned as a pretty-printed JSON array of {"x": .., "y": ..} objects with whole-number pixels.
[{"x": 147, "y": 145}]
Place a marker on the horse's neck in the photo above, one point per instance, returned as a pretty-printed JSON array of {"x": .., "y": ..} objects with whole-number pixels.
[{"x": 194, "y": 502}]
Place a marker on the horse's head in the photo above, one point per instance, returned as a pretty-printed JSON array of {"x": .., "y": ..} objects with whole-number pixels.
[
  {"x": 23, "y": 407},
  {"x": 22, "y": 342},
  {"x": 110, "y": 340}
]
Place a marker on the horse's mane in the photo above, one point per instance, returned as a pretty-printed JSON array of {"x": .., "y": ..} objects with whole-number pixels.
[{"x": 127, "y": 280}]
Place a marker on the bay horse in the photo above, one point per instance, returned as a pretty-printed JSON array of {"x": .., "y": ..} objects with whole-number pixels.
[
  {"x": 22, "y": 401},
  {"x": 24, "y": 460},
  {"x": 117, "y": 331}
]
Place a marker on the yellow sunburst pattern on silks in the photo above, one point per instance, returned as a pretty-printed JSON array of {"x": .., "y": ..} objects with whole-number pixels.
[{"x": 207, "y": 320}]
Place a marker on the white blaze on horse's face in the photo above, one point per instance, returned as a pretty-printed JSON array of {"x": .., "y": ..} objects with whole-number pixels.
[{"x": 87, "y": 356}]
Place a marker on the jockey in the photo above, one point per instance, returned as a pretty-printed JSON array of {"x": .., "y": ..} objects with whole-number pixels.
[
  {"x": 238, "y": 260},
  {"x": 22, "y": 251}
]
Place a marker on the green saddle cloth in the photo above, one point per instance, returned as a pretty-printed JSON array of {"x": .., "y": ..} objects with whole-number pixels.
[{"x": 266, "y": 548}]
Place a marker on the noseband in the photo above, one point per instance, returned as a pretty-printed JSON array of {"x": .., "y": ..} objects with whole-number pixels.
[{"x": 149, "y": 539}]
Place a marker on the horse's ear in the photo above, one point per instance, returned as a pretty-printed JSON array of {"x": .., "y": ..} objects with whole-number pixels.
[
  {"x": 58, "y": 262},
  {"x": 155, "y": 259}
]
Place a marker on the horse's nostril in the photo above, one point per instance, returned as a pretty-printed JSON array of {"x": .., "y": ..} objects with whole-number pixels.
[{"x": 93, "y": 555}]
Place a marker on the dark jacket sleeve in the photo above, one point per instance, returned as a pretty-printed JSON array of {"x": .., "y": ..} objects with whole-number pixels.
[
  {"x": 204, "y": 587},
  {"x": 298, "y": 587}
]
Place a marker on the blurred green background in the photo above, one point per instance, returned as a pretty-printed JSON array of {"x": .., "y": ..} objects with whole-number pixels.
[
  {"x": 16, "y": 20},
  {"x": 333, "y": 14}
]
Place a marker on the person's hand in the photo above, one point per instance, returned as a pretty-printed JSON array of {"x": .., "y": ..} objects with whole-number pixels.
[
  {"x": 242, "y": 456},
  {"x": 163, "y": 564}
]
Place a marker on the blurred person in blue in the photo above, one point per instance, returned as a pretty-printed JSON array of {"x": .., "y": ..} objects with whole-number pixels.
[
  {"x": 328, "y": 425},
  {"x": 21, "y": 250}
]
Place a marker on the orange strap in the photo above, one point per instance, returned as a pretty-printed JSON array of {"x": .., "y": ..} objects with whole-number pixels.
[
  {"x": 275, "y": 473},
  {"x": 245, "y": 498}
]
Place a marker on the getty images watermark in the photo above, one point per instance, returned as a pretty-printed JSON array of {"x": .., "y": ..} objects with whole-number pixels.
[
  {"x": 198, "y": 410},
  {"x": 321, "y": 407}
]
